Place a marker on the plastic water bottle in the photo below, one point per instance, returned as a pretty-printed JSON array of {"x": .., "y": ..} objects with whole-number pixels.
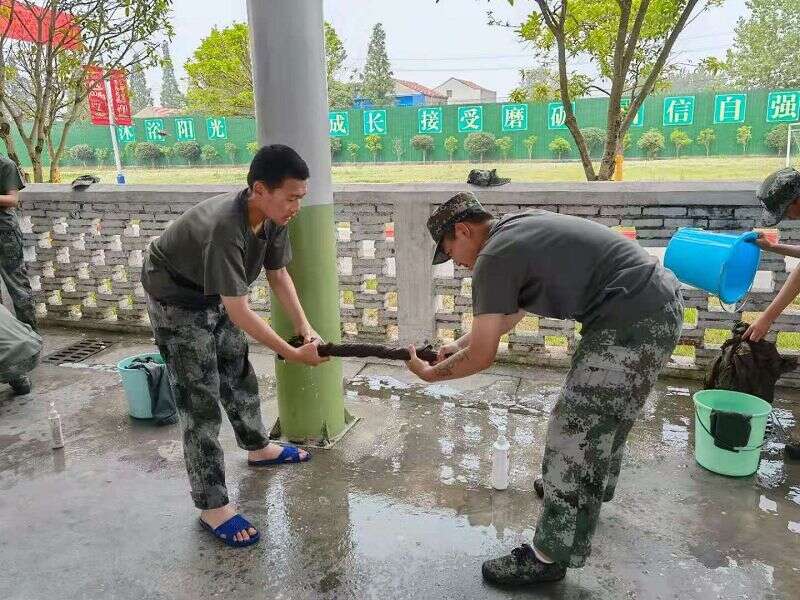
[
  {"x": 500, "y": 462},
  {"x": 56, "y": 432}
]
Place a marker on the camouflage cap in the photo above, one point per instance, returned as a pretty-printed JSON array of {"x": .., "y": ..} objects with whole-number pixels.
[
  {"x": 460, "y": 206},
  {"x": 777, "y": 193}
]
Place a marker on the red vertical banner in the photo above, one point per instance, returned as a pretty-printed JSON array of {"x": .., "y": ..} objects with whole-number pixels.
[
  {"x": 120, "y": 98},
  {"x": 98, "y": 101}
]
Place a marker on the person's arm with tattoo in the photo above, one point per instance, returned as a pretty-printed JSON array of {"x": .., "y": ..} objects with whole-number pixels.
[{"x": 474, "y": 358}]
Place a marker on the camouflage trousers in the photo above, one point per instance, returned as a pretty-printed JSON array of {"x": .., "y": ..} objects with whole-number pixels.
[
  {"x": 613, "y": 372},
  {"x": 18, "y": 369},
  {"x": 207, "y": 362},
  {"x": 15, "y": 275}
]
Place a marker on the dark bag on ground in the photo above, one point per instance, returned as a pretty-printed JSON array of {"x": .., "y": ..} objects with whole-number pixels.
[
  {"x": 748, "y": 367},
  {"x": 162, "y": 400},
  {"x": 486, "y": 178}
]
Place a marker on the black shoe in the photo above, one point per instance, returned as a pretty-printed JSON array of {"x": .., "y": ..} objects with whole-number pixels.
[
  {"x": 521, "y": 567},
  {"x": 20, "y": 385},
  {"x": 538, "y": 487}
]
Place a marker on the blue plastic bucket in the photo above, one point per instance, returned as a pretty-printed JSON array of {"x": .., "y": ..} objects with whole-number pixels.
[
  {"x": 134, "y": 382},
  {"x": 721, "y": 264}
]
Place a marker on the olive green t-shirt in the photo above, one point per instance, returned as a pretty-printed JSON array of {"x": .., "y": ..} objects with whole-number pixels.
[
  {"x": 566, "y": 267},
  {"x": 10, "y": 179},
  {"x": 211, "y": 251}
]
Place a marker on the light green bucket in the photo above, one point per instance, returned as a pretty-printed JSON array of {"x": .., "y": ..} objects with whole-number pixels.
[
  {"x": 137, "y": 390},
  {"x": 744, "y": 460}
]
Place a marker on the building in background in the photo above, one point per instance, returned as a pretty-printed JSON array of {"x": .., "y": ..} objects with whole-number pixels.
[
  {"x": 408, "y": 93},
  {"x": 158, "y": 112},
  {"x": 462, "y": 91}
]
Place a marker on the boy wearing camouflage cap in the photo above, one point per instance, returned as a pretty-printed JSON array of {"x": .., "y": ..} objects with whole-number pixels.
[
  {"x": 563, "y": 267},
  {"x": 779, "y": 194}
]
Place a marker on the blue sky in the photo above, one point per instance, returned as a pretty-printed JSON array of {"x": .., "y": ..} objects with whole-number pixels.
[{"x": 429, "y": 42}]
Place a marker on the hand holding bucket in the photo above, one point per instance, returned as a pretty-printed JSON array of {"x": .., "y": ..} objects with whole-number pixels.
[{"x": 722, "y": 264}]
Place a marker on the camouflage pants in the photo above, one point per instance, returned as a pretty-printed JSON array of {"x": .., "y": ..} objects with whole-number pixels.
[
  {"x": 18, "y": 369},
  {"x": 613, "y": 372},
  {"x": 15, "y": 275},
  {"x": 207, "y": 362}
]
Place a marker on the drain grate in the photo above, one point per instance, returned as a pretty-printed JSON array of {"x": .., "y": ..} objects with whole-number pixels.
[{"x": 77, "y": 352}]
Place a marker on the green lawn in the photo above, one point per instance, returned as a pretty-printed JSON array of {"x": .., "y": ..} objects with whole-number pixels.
[{"x": 684, "y": 169}]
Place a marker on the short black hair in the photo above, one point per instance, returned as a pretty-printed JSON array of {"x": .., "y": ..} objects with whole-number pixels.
[
  {"x": 472, "y": 215},
  {"x": 275, "y": 163}
]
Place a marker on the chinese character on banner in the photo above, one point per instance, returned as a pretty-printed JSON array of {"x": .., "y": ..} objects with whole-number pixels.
[
  {"x": 126, "y": 133},
  {"x": 119, "y": 98},
  {"x": 216, "y": 128},
  {"x": 97, "y": 99},
  {"x": 184, "y": 129},
  {"x": 470, "y": 118},
  {"x": 678, "y": 110},
  {"x": 730, "y": 108},
  {"x": 154, "y": 130},
  {"x": 638, "y": 120},
  {"x": 515, "y": 117},
  {"x": 429, "y": 120},
  {"x": 338, "y": 124},
  {"x": 557, "y": 116},
  {"x": 375, "y": 122},
  {"x": 783, "y": 107}
]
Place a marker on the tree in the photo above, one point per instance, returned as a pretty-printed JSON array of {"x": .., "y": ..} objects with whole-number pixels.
[
  {"x": 542, "y": 85},
  {"x": 376, "y": 80},
  {"x": 253, "y": 147},
  {"x": 42, "y": 84},
  {"x": 141, "y": 97},
  {"x": 530, "y": 144},
  {"x": 764, "y": 53},
  {"x": 450, "y": 146},
  {"x": 397, "y": 148},
  {"x": 777, "y": 137},
  {"x": 479, "y": 143},
  {"x": 652, "y": 142},
  {"x": 504, "y": 145},
  {"x": 220, "y": 74},
  {"x": 168, "y": 152},
  {"x": 559, "y": 146},
  {"x": 707, "y": 75},
  {"x": 231, "y": 150},
  {"x": 101, "y": 154},
  {"x": 336, "y": 146},
  {"x": 743, "y": 136},
  {"x": 209, "y": 153},
  {"x": 373, "y": 144},
  {"x": 82, "y": 153},
  {"x": 706, "y": 138},
  {"x": 422, "y": 143},
  {"x": 595, "y": 138},
  {"x": 171, "y": 95},
  {"x": 188, "y": 151},
  {"x": 680, "y": 140},
  {"x": 129, "y": 152},
  {"x": 629, "y": 45},
  {"x": 148, "y": 152},
  {"x": 352, "y": 150},
  {"x": 221, "y": 77}
]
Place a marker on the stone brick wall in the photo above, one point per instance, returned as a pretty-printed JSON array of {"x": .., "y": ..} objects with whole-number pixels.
[{"x": 84, "y": 252}]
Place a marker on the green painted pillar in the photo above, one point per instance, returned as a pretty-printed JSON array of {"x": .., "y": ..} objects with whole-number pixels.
[{"x": 291, "y": 97}]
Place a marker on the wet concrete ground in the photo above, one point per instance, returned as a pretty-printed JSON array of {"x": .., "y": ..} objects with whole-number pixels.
[{"x": 400, "y": 508}]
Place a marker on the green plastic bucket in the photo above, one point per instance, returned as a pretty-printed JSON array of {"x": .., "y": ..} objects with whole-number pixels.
[
  {"x": 743, "y": 458},
  {"x": 134, "y": 382}
]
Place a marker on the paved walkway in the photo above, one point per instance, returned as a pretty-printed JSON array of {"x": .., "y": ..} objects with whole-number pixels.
[{"x": 400, "y": 508}]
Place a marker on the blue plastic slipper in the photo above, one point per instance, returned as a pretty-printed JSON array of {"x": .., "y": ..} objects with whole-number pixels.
[
  {"x": 289, "y": 454},
  {"x": 231, "y": 527}
]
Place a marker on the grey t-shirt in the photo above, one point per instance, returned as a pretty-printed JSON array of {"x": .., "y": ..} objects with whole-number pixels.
[
  {"x": 10, "y": 179},
  {"x": 565, "y": 267},
  {"x": 211, "y": 251}
]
